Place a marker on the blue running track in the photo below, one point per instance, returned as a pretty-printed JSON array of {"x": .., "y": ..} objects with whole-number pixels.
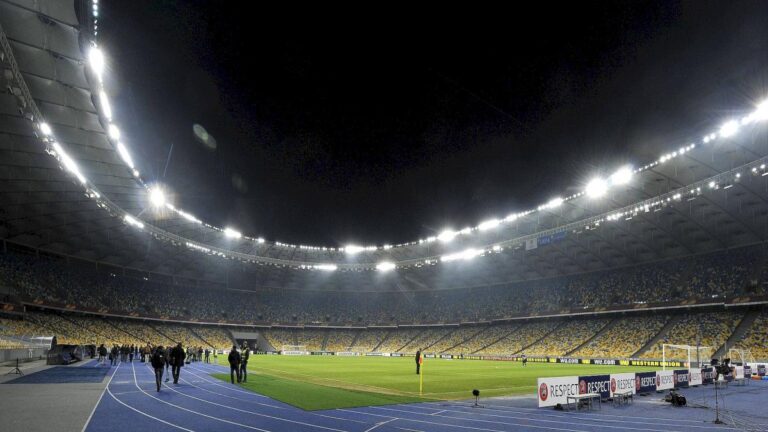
[{"x": 203, "y": 403}]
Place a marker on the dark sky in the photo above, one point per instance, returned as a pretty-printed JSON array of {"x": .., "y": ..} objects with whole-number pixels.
[{"x": 385, "y": 124}]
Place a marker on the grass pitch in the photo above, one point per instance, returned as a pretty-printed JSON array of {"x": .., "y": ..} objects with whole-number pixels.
[{"x": 327, "y": 382}]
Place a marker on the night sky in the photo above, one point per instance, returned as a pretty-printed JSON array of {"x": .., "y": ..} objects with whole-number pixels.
[{"x": 386, "y": 124}]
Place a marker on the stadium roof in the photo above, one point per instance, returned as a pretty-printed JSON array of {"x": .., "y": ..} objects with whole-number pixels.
[{"x": 712, "y": 195}]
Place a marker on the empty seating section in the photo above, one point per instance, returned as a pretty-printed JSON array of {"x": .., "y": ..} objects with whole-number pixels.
[
  {"x": 567, "y": 337},
  {"x": 623, "y": 338}
]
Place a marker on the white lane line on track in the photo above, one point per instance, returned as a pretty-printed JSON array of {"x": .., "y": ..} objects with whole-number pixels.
[
  {"x": 230, "y": 388},
  {"x": 439, "y": 412},
  {"x": 379, "y": 424},
  {"x": 256, "y": 413},
  {"x": 523, "y": 410},
  {"x": 229, "y": 397},
  {"x": 192, "y": 411},
  {"x": 526, "y": 419},
  {"x": 90, "y": 416},
  {"x": 576, "y": 416},
  {"x": 459, "y": 426},
  {"x": 259, "y": 403},
  {"x": 142, "y": 412}
]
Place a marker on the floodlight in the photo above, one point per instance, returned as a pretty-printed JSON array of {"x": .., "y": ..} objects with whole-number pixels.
[
  {"x": 466, "y": 230},
  {"x": 45, "y": 129},
  {"x": 113, "y": 131},
  {"x": 596, "y": 188},
  {"x": 729, "y": 129},
  {"x": 489, "y": 224},
  {"x": 126, "y": 156},
  {"x": 260, "y": 240},
  {"x": 622, "y": 176},
  {"x": 105, "y": 105},
  {"x": 447, "y": 236},
  {"x": 353, "y": 249},
  {"x": 326, "y": 267},
  {"x": 385, "y": 266},
  {"x": 96, "y": 60},
  {"x": 156, "y": 197},
  {"x": 231, "y": 233},
  {"x": 511, "y": 218}
]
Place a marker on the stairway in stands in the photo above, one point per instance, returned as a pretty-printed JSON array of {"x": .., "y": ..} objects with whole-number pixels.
[
  {"x": 737, "y": 334},
  {"x": 605, "y": 328},
  {"x": 546, "y": 335},
  {"x": 497, "y": 340},
  {"x": 472, "y": 336},
  {"x": 672, "y": 321}
]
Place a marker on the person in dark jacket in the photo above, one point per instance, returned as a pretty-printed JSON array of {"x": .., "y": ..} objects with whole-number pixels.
[
  {"x": 207, "y": 355},
  {"x": 158, "y": 363},
  {"x": 418, "y": 362},
  {"x": 177, "y": 361},
  {"x": 168, "y": 355},
  {"x": 244, "y": 356},
  {"x": 234, "y": 364}
]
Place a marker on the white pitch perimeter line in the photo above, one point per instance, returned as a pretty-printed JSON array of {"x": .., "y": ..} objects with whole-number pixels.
[
  {"x": 526, "y": 425},
  {"x": 564, "y": 416},
  {"x": 192, "y": 411},
  {"x": 90, "y": 416},
  {"x": 256, "y": 413},
  {"x": 142, "y": 412}
]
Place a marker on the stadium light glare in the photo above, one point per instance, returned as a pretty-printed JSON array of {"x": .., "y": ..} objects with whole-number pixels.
[
  {"x": 489, "y": 224},
  {"x": 130, "y": 220},
  {"x": 622, "y": 176},
  {"x": 385, "y": 266},
  {"x": 447, "y": 236},
  {"x": 123, "y": 152},
  {"x": 761, "y": 113},
  {"x": 729, "y": 129},
  {"x": 156, "y": 197},
  {"x": 105, "y": 107},
  {"x": 260, "y": 240},
  {"x": 68, "y": 163},
  {"x": 326, "y": 267},
  {"x": 353, "y": 249},
  {"x": 463, "y": 255},
  {"x": 596, "y": 188},
  {"x": 45, "y": 129},
  {"x": 96, "y": 60},
  {"x": 113, "y": 132},
  {"x": 231, "y": 233},
  {"x": 555, "y": 203}
]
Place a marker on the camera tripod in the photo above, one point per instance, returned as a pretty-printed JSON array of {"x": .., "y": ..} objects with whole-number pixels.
[{"x": 16, "y": 370}]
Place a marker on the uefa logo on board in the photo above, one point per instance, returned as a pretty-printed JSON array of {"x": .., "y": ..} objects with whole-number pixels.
[{"x": 543, "y": 392}]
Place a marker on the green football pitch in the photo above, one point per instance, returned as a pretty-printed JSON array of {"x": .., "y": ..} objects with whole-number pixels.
[{"x": 326, "y": 382}]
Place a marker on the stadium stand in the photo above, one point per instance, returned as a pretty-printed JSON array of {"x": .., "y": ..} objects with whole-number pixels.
[
  {"x": 624, "y": 337},
  {"x": 756, "y": 338},
  {"x": 518, "y": 338},
  {"x": 567, "y": 337},
  {"x": 710, "y": 329},
  {"x": 56, "y": 282}
]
